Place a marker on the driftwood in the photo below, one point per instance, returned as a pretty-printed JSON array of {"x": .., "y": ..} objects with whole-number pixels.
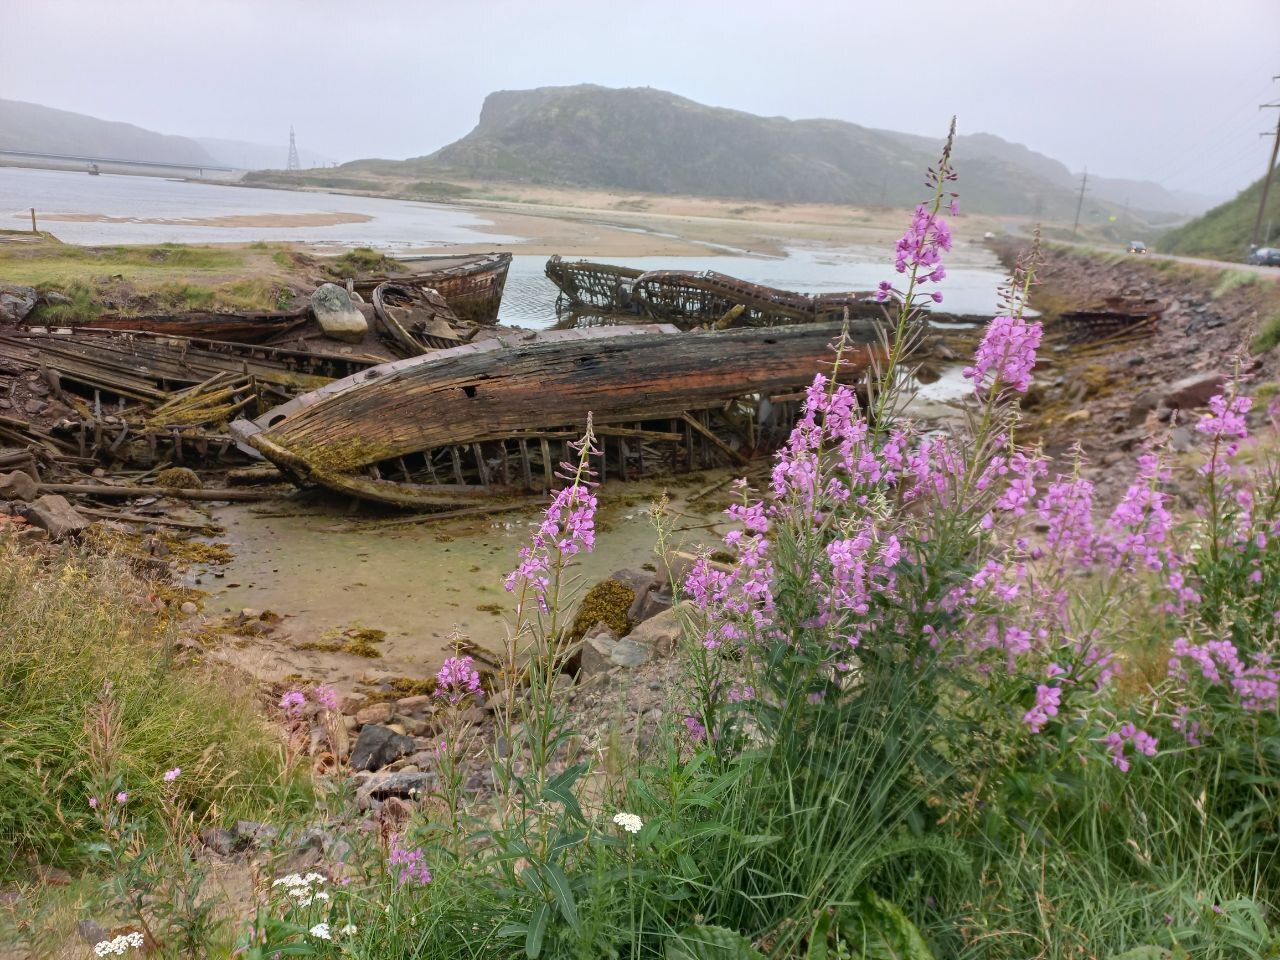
[{"x": 106, "y": 490}]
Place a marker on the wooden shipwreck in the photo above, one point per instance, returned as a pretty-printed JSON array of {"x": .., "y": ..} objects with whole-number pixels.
[
  {"x": 1118, "y": 317},
  {"x": 472, "y": 285},
  {"x": 495, "y": 417},
  {"x": 233, "y": 327},
  {"x": 691, "y": 298}
]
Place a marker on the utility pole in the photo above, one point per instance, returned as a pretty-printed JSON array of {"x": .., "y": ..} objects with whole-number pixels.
[
  {"x": 1266, "y": 180},
  {"x": 1084, "y": 180}
]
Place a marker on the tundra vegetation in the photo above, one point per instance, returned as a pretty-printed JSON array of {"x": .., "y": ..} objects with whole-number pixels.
[{"x": 937, "y": 706}]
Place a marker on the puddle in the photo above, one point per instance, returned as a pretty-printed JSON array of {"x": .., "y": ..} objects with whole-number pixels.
[{"x": 419, "y": 583}]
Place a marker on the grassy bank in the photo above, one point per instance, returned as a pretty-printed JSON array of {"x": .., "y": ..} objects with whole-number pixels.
[
  {"x": 75, "y": 622},
  {"x": 147, "y": 278}
]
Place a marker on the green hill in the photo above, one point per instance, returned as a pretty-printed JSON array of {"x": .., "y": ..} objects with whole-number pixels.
[
  {"x": 648, "y": 140},
  {"x": 30, "y": 126},
  {"x": 1223, "y": 232}
]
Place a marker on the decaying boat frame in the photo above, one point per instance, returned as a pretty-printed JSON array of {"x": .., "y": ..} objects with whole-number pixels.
[
  {"x": 690, "y": 298},
  {"x": 1111, "y": 319},
  {"x": 495, "y": 418},
  {"x": 472, "y": 285}
]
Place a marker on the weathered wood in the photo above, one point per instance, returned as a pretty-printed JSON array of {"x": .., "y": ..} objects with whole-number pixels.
[
  {"x": 141, "y": 518},
  {"x": 105, "y": 490}
]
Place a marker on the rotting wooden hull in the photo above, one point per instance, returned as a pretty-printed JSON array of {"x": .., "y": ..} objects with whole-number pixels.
[
  {"x": 494, "y": 418},
  {"x": 227, "y": 327},
  {"x": 471, "y": 285},
  {"x": 415, "y": 320}
]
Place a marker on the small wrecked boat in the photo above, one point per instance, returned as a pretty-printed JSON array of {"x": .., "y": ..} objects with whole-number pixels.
[
  {"x": 1120, "y": 316},
  {"x": 228, "y": 327},
  {"x": 472, "y": 285},
  {"x": 691, "y": 298},
  {"x": 416, "y": 320},
  {"x": 495, "y": 417}
]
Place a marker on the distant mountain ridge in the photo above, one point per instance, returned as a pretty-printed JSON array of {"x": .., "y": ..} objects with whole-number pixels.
[
  {"x": 41, "y": 129},
  {"x": 653, "y": 141},
  {"x": 32, "y": 126}
]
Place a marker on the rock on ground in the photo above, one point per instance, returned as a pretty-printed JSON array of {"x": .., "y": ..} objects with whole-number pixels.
[
  {"x": 53, "y": 514},
  {"x": 16, "y": 302},
  {"x": 377, "y": 746},
  {"x": 338, "y": 316},
  {"x": 18, "y": 485}
]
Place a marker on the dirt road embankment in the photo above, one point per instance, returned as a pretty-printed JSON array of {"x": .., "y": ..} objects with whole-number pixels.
[{"x": 1112, "y": 396}]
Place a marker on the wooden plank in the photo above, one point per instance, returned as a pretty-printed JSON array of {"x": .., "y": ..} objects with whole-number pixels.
[{"x": 105, "y": 490}]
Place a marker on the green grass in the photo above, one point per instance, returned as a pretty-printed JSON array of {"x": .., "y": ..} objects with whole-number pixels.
[
  {"x": 1223, "y": 233},
  {"x": 361, "y": 261},
  {"x": 1268, "y": 335},
  {"x": 1234, "y": 279},
  {"x": 73, "y": 621}
]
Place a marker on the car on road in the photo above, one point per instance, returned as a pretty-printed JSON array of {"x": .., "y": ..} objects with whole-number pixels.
[
  {"x": 1265, "y": 257},
  {"x": 1136, "y": 246}
]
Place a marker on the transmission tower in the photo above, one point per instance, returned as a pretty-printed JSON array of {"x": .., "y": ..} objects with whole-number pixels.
[{"x": 294, "y": 163}]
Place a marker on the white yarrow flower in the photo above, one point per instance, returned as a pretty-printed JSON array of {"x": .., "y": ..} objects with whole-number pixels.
[
  {"x": 628, "y": 822},
  {"x": 348, "y": 930},
  {"x": 321, "y": 931},
  {"x": 119, "y": 946}
]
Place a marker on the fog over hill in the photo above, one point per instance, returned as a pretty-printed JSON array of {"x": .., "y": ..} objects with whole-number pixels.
[
  {"x": 650, "y": 140},
  {"x": 41, "y": 129}
]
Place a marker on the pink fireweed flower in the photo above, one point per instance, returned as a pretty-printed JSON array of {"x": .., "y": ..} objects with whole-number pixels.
[
  {"x": 122, "y": 797},
  {"x": 1007, "y": 355},
  {"x": 921, "y": 246},
  {"x": 567, "y": 528},
  {"x": 1048, "y": 699},
  {"x": 457, "y": 679},
  {"x": 412, "y": 863},
  {"x": 326, "y": 696},
  {"x": 1067, "y": 509},
  {"x": 1140, "y": 527},
  {"x": 172, "y": 775},
  {"x": 93, "y": 803},
  {"x": 293, "y": 702},
  {"x": 1225, "y": 424},
  {"x": 1117, "y": 740}
]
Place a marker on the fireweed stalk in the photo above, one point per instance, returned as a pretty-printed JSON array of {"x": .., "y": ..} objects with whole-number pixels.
[{"x": 535, "y": 648}]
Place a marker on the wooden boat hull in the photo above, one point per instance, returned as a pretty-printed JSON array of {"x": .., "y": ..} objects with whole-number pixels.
[
  {"x": 471, "y": 285},
  {"x": 701, "y": 392},
  {"x": 227, "y": 327},
  {"x": 415, "y": 320}
]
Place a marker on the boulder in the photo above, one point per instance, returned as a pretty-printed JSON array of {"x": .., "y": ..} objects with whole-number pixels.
[
  {"x": 378, "y": 746},
  {"x": 16, "y": 302},
  {"x": 628, "y": 653},
  {"x": 338, "y": 316},
  {"x": 374, "y": 713},
  {"x": 1193, "y": 391},
  {"x": 597, "y": 651},
  {"x": 403, "y": 785},
  {"x": 54, "y": 515},
  {"x": 18, "y": 486},
  {"x": 659, "y": 633},
  {"x": 637, "y": 581},
  {"x": 649, "y": 604},
  {"x": 53, "y": 298}
]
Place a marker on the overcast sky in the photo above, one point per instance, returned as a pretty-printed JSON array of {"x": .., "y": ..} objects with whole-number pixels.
[{"x": 1166, "y": 90}]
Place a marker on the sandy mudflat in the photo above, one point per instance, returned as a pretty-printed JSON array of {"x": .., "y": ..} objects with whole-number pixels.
[{"x": 232, "y": 220}]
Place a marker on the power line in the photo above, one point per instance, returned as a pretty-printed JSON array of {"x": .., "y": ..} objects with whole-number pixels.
[
  {"x": 294, "y": 163},
  {"x": 1271, "y": 166},
  {"x": 1084, "y": 180}
]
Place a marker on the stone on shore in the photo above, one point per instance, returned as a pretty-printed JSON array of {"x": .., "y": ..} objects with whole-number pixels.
[
  {"x": 1193, "y": 391},
  {"x": 54, "y": 515},
  {"x": 338, "y": 316},
  {"x": 16, "y": 302},
  {"x": 377, "y": 746},
  {"x": 18, "y": 485}
]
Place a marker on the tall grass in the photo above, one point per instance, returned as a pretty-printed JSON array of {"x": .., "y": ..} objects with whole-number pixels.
[{"x": 75, "y": 621}]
